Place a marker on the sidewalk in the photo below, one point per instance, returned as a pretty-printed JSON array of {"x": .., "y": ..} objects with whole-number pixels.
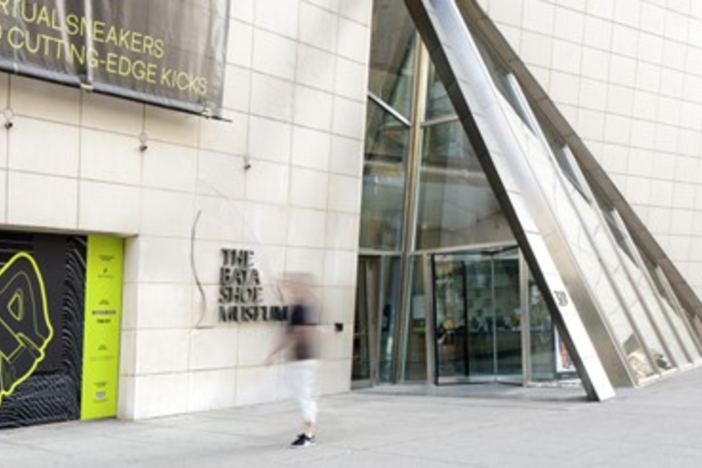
[{"x": 657, "y": 426}]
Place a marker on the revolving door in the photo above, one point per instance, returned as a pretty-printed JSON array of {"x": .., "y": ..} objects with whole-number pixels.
[{"x": 477, "y": 316}]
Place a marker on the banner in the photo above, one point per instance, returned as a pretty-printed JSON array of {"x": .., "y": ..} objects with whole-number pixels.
[
  {"x": 42, "y": 281},
  {"x": 103, "y": 313},
  {"x": 170, "y": 53}
]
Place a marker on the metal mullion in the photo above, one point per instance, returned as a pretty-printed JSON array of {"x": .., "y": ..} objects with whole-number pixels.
[
  {"x": 410, "y": 212},
  {"x": 389, "y": 109},
  {"x": 466, "y": 248},
  {"x": 525, "y": 319},
  {"x": 440, "y": 120},
  {"x": 493, "y": 317}
]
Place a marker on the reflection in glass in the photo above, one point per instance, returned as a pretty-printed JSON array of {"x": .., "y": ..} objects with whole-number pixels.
[
  {"x": 659, "y": 315},
  {"x": 500, "y": 76},
  {"x": 387, "y": 139},
  {"x": 381, "y": 216},
  {"x": 481, "y": 316},
  {"x": 597, "y": 259},
  {"x": 658, "y": 280},
  {"x": 445, "y": 146},
  {"x": 416, "y": 352},
  {"x": 392, "y": 55},
  {"x": 451, "y": 315},
  {"x": 388, "y": 318},
  {"x": 387, "y": 142},
  {"x": 438, "y": 103},
  {"x": 456, "y": 204},
  {"x": 679, "y": 319},
  {"x": 565, "y": 159},
  {"x": 616, "y": 227},
  {"x": 478, "y": 314},
  {"x": 366, "y": 304},
  {"x": 542, "y": 338},
  {"x": 507, "y": 313}
]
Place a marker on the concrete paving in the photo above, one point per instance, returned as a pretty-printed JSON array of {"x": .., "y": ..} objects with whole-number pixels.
[{"x": 468, "y": 426}]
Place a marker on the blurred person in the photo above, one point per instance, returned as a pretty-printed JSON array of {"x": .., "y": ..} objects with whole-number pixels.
[{"x": 300, "y": 337}]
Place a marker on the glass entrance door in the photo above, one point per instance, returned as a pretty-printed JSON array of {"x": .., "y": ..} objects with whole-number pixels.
[{"x": 477, "y": 316}]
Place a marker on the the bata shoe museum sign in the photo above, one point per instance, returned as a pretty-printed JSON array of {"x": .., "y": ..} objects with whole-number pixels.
[{"x": 165, "y": 52}]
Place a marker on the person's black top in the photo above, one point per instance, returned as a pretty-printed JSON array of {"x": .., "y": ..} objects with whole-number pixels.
[{"x": 303, "y": 348}]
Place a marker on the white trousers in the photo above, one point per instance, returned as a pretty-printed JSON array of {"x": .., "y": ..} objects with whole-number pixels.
[{"x": 303, "y": 378}]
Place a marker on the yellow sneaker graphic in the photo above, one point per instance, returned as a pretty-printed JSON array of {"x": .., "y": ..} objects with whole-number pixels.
[{"x": 25, "y": 328}]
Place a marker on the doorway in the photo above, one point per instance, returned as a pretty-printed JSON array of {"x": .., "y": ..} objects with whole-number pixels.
[{"x": 477, "y": 316}]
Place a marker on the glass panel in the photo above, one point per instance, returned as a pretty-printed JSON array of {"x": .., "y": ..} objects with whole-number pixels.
[
  {"x": 500, "y": 77},
  {"x": 478, "y": 315},
  {"x": 456, "y": 204},
  {"x": 445, "y": 146},
  {"x": 615, "y": 226},
  {"x": 416, "y": 353},
  {"x": 657, "y": 280},
  {"x": 661, "y": 316},
  {"x": 438, "y": 103},
  {"x": 383, "y": 181},
  {"x": 387, "y": 138},
  {"x": 381, "y": 216},
  {"x": 366, "y": 304},
  {"x": 388, "y": 318},
  {"x": 651, "y": 308},
  {"x": 598, "y": 262},
  {"x": 508, "y": 319},
  {"x": 392, "y": 55},
  {"x": 481, "y": 320},
  {"x": 672, "y": 309},
  {"x": 451, "y": 316},
  {"x": 541, "y": 331},
  {"x": 563, "y": 155}
]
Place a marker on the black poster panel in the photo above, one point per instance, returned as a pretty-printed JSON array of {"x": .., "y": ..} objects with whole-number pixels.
[
  {"x": 170, "y": 53},
  {"x": 42, "y": 283}
]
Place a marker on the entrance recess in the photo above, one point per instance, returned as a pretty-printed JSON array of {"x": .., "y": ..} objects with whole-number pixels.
[{"x": 477, "y": 316}]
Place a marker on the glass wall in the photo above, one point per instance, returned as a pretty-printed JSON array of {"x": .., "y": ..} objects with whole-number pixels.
[
  {"x": 456, "y": 204},
  {"x": 424, "y": 191},
  {"x": 387, "y": 144},
  {"x": 542, "y": 339},
  {"x": 384, "y": 179},
  {"x": 451, "y": 295}
]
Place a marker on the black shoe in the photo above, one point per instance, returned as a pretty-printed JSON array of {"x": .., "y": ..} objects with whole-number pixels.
[{"x": 303, "y": 440}]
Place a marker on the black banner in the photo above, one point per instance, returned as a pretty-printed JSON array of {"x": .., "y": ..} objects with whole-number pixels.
[
  {"x": 42, "y": 284},
  {"x": 166, "y": 52}
]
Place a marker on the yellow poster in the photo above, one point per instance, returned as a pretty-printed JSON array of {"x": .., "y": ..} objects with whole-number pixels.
[{"x": 103, "y": 312}]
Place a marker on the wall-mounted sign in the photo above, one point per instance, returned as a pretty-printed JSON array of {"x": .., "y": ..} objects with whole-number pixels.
[
  {"x": 166, "y": 52},
  {"x": 241, "y": 292}
]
